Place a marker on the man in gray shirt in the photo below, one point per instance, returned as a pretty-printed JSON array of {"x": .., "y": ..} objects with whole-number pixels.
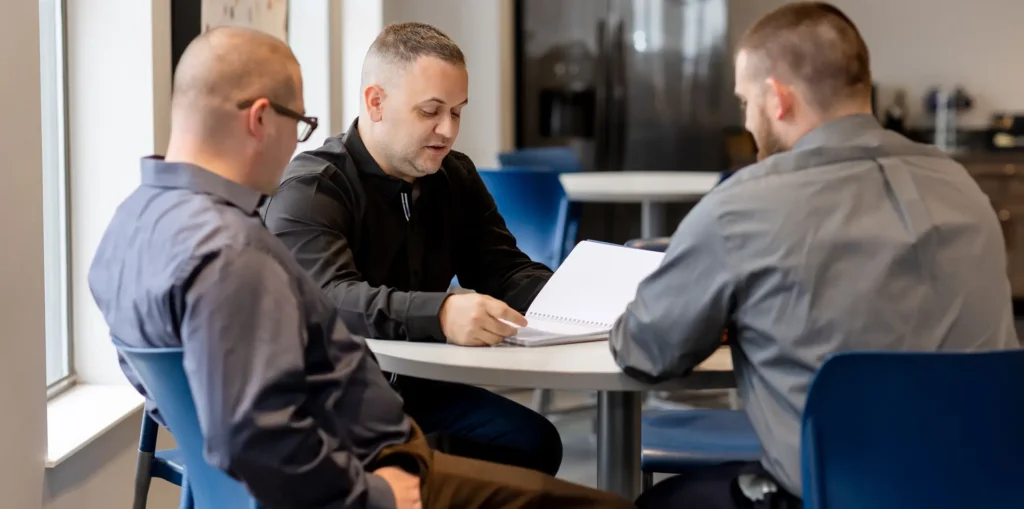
[
  {"x": 290, "y": 403},
  {"x": 843, "y": 237}
]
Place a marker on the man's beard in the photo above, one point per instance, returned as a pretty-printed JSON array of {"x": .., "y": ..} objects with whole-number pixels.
[{"x": 768, "y": 143}]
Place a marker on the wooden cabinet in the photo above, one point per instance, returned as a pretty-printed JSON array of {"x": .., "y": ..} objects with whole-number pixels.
[{"x": 1002, "y": 179}]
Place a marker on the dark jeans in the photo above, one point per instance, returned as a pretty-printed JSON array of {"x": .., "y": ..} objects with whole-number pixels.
[
  {"x": 713, "y": 487},
  {"x": 476, "y": 423}
]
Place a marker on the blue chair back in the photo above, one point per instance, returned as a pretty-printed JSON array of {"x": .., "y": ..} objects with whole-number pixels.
[
  {"x": 914, "y": 430},
  {"x": 535, "y": 209},
  {"x": 559, "y": 159},
  {"x": 162, "y": 373}
]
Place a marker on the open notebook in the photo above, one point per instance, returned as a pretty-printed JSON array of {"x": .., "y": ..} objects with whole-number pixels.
[{"x": 587, "y": 293}]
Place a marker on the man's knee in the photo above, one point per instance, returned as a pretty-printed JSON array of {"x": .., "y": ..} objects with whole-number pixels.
[
  {"x": 551, "y": 448},
  {"x": 544, "y": 442}
]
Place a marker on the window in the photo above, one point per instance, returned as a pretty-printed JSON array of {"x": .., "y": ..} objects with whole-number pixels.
[{"x": 59, "y": 373}]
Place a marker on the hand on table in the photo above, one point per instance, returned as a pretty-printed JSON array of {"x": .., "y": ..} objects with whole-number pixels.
[
  {"x": 405, "y": 486},
  {"x": 473, "y": 319}
]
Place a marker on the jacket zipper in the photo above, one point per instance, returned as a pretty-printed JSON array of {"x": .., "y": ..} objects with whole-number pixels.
[{"x": 407, "y": 211}]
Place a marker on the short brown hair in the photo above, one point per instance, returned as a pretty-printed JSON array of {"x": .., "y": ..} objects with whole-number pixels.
[
  {"x": 403, "y": 43},
  {"x": 814, "y": 45}
]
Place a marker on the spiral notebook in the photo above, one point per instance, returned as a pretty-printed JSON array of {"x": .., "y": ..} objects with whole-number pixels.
[{"x": 587, "y": 293}]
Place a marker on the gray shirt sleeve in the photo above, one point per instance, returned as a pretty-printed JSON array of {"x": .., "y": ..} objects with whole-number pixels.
[
  {"x": 680, "y": 311},
  {"x": 244, "y": 337}
]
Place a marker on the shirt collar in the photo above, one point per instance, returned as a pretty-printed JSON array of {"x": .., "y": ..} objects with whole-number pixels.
[
  {"x": 838, "y": 131},
  {"x": 159, "y": 173},
  {"x": 365, "y": 163}
]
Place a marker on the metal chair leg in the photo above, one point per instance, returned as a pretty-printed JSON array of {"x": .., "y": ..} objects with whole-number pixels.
[
  {"x": 646, "y": 481},
  {"x": 185, "y": 501},
  {"x": 734, "y": 400},
  {"x": 143, "y": 466},
  {"x": 542, "y": 401}
]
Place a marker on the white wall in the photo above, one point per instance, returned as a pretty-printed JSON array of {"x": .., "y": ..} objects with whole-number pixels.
[
  {"x": 22, "y": 373},
  {"x": 314, "y": 34},
  {"x": 362, "y": 20},
  {"x": 917, "y": 44}
]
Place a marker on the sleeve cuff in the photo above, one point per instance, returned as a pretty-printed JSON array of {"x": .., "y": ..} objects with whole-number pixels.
[
  {"x": 424, "y": 320},
  {"x": 380, "y": 494}
]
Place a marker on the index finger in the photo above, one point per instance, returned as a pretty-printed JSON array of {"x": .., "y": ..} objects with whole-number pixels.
[{"x": 501, "y": 311}]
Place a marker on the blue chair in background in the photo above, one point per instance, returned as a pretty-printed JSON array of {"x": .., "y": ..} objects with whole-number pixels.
[
  {"x": 162, "y": 374},
  {"x": 914, "y": 430},
  {"x": 167, "y": 464},
  {"x": 558, "y": 159},
  {"x": 673, "y": 440},
  {"x": 535, "y": 210}
]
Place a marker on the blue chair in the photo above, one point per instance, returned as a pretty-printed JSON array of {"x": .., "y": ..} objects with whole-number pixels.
[
  {"x": 909, "y": 430},
  {"x": 167, "y": 464},
  {"x": 558, "y": 159},
  {"x": 535, "y": 209},
  {"x": 161, "y": 372},
  {"x": 673, "y": 440}
]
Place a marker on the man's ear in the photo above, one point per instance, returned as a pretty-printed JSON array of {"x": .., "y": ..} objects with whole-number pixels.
[
  {"x": 373, "y": 98},
  {"x": 779, "y": 98},
  {"x": 255, "y": 118}
]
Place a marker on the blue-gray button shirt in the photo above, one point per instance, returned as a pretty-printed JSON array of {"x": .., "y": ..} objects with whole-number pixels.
[
  {"x": 289, "y": 401},
  {"x": 857, "y": 239}
]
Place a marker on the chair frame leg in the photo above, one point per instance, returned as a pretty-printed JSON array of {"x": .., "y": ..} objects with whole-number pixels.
[
  {"x": 542, "y": 401},
  {"x": 646, "y": 481},
  {"x": 143, "y": 467},
  {"x": 186, "y": 501}
]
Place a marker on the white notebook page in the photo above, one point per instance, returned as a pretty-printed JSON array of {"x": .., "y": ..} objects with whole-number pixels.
[
  {"x": 541, "y": 329},
  {"x": 592, "y": 287}
]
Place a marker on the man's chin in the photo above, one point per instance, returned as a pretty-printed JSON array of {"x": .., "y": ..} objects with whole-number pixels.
[{"x": 427, "y": 169}]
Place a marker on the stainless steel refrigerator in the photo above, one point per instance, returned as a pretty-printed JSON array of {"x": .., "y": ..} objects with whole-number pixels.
[{"x": 637, "y": 85}]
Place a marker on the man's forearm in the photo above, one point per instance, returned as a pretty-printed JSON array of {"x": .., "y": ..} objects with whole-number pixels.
[{"x": 385, "y": 313}]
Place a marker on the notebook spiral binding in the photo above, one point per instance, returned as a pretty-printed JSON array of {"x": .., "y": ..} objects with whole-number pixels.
[{"x": 562, "y": 319}]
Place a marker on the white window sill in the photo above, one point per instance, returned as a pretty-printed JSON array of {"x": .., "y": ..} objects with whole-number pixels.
[{"x": 84, "y": 413}]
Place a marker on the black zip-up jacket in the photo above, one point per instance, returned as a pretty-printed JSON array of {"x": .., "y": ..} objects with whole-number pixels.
[{"x": 385, "y": 251}]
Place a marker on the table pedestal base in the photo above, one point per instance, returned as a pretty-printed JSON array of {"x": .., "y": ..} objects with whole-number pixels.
[
  {"x": 618, "y": 443},
  {"x": 652, "y": 219}
]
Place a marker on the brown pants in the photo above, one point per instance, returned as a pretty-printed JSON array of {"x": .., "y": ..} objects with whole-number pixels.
[{"x": 455, "y": 482}]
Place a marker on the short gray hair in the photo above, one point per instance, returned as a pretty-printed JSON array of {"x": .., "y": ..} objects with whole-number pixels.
[{"x": 401, "y": 44}]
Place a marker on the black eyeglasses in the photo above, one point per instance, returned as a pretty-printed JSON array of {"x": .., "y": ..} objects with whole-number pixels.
[{"x": 306, "y": 124}]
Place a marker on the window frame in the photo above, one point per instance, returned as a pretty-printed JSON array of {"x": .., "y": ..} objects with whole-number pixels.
[{"x": 56, "y": 198}]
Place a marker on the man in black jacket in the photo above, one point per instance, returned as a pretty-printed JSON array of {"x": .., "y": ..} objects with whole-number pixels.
[{"x": 385, "y": 215}]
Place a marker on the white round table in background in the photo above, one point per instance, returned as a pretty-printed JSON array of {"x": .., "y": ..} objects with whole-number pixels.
[
  {"x": 651, "y": 189},
  {"x": 581, "y": 366}
]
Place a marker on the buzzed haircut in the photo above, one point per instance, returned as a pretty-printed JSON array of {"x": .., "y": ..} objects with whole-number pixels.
[
  {"x": 812, "y": 45},
  {"x": 227, "y": 65},
  {"x": 401, "y": 44}
]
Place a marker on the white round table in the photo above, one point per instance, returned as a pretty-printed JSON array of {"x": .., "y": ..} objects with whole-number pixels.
[
  {"x": 651, "y": 189},
  {"x": 581, "y": 366}
]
